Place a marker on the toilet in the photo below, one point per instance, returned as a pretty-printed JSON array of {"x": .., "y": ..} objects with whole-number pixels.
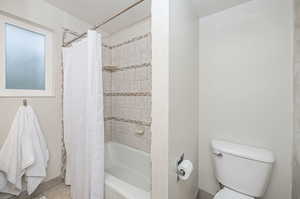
[{"x": 243, "y": 171}]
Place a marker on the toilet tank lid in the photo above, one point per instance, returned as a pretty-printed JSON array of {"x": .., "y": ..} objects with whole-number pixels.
[{"x": 244, "y": 151}]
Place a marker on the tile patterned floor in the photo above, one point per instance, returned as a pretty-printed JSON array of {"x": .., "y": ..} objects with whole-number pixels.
[{"x": 58, "y": 192}]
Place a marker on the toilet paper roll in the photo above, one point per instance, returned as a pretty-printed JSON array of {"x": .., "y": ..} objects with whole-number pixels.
[{"x": 187, "y": 167}]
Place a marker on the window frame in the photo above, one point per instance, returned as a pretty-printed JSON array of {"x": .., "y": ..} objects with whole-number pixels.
[{"x": 48, "y": 60}]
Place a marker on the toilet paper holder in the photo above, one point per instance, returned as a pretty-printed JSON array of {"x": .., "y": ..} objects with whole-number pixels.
[{"x": 180, "y": 172}]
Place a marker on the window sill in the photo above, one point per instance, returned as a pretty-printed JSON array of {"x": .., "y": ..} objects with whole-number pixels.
[{"x": 25, "y": 93}]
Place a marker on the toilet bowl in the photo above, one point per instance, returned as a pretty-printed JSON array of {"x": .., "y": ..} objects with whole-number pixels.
[
  {"x": 238, "y": 166},
  {"x": 226, "y": 193}
]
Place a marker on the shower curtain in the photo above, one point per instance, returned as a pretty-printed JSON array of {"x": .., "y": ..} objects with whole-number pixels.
[{"x": 83, "y": 118}]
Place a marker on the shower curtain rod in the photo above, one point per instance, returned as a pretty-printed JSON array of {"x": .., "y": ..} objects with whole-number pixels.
[{"x": 104, "y": 22}]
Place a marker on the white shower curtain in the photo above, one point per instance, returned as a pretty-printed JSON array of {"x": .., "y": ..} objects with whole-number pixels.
[{"x": 83, "y": 117}]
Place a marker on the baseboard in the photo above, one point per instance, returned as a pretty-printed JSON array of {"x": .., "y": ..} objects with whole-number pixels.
[
  {"x": 204, "y": 195},
  {"x": 41, "y": 189}
]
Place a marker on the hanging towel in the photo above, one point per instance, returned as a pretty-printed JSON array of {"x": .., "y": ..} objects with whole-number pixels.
[{"x": 24, "y": 153}]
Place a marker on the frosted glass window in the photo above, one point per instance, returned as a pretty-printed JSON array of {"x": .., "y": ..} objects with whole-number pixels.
[{"x": 24, "y": 58}]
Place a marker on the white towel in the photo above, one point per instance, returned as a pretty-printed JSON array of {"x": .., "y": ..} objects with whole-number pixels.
[{"x": 24, "y": 153}]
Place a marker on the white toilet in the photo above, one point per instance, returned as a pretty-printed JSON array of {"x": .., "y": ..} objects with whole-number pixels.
[{"x": 244, "y": 171}]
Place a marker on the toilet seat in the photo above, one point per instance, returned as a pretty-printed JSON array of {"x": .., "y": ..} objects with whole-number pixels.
[{"x": 226, "y": 193}]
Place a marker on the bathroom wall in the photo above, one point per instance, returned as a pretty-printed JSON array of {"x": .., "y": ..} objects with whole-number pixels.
[
  {"x": 128, "y": 89},
  {"x": 107, "y": 83},
  {"x": 296, "y": 161},
  {"x": 246, "y": 86},
  {"x": 48, "y": 109},
  {"x": 175, "y": 97},
  {"x": 160, "y": 29},
  {"x": 183, "y": 96}
]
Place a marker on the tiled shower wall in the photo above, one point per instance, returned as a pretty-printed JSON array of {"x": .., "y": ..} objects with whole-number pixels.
[{"x": 127, "y": 86}]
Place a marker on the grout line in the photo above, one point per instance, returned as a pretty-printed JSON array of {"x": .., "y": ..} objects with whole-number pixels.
[
  {"x": 128, "y": 94},
  {"x": 137, "y": 38}
]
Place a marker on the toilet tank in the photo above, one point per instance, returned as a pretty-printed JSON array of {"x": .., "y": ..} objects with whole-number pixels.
[{"x": 242, "y": 168}]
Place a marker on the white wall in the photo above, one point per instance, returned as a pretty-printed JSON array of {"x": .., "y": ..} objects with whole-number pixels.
[
  {"x": 183, "y": 96},
  {"x": 48, "y": 109},
  {"x": 174, "y": 97},
  {"x": 296, "y": 162},
  {"x": 160, "y": 98},
  {"x": 246, "y": 86}
]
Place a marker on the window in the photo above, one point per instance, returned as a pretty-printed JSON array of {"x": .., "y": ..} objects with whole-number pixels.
[{"x": 25, "y": 60}]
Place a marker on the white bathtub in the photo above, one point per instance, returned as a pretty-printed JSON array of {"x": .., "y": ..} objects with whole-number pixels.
[{"x": 127, "y": 172}]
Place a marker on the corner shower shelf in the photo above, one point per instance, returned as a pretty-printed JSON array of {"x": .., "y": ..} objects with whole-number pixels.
[{"x": 110, "y": 68}]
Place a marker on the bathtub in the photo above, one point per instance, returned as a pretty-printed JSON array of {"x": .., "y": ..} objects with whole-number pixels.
[{"x": 127, "y": 172}]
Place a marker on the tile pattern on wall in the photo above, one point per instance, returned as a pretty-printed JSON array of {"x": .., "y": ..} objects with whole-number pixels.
[
  {"x": 132, "y": 40},
  {"x": 107, "y": 82},
  {"x": 125, "y": 133},
  {"x": 128, "y": 94},
  {"x": 127, "y": 91},
  {"x": 138, "y": 122}
]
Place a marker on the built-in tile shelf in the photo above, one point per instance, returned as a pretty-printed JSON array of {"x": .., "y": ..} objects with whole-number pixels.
[
  {"x": 128, "y": 94},
  {"x": 142, "y": 123},
  {"x": 110, "y": 68},
  {"x": 113, "y": 68}
]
